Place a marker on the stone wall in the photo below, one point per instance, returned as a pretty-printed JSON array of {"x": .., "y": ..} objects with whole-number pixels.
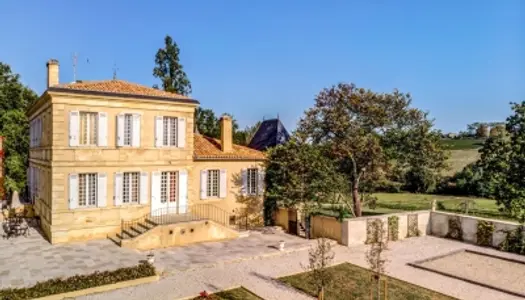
[
  {"x": 180, "y": 234},
  {"x": 469, "y": 226},
  {"x": 354, "y": 231},
  {"x": 328, "y": 227}
]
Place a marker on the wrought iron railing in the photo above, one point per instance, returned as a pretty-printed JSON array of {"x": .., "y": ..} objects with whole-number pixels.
[{"x": 172, "y": 215}]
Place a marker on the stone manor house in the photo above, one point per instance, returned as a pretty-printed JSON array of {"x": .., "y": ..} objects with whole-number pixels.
[{"x": 106, "y": 152}]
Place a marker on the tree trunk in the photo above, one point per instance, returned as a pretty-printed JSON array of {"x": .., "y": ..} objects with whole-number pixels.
[
  {"x": 320, "y": 296},
  {"x": 356, "y": 198}
]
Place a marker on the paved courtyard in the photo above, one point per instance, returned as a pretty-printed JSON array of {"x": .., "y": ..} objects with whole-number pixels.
[
  {"x": 25, "y": 261},
  {"x": 259, "y": 275}
]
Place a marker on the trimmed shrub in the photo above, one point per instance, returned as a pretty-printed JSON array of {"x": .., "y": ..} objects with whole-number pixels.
[{"x": 78, "y": 282}]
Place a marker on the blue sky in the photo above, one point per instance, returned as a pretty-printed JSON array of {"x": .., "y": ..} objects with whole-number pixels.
[{"x": 463, "y": 61}]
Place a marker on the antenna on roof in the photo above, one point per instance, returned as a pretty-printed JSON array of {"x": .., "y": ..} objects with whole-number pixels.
[
  {"x": 277, "y": 116},
  {"x": 75, "y": 57},
  {"x": 115, "y": 69}
]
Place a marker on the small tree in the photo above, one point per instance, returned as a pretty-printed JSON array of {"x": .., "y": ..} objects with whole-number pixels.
[
  {"x": 374, "y": 256},
  {"x": 320, "y": 258}
]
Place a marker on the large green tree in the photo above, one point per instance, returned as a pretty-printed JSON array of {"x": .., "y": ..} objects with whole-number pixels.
[
  {"x": 15, "y": 98},
  {"x": 357, "y": 125},
  {"x": 299, "y": 173},
  {"x": 503, "y": 164},
  {"x": 169, "y": 69}
]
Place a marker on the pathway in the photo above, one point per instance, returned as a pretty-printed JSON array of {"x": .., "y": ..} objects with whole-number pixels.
[{"x": 258, "y": 275}]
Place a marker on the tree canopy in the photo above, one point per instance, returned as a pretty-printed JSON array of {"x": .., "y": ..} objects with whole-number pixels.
[
  {"x": 15, "y": 98},
  {"x": 169, "y": 69},
  {"x": 503, "y": 164},
  {"x": 207, "y": 123},
  {"x": 363, "y": 130}
]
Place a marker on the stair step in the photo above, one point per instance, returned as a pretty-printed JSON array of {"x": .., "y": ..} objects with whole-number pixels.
[
  {"x": 115, "y": 239},
  {"x": 126, "y": 234}
]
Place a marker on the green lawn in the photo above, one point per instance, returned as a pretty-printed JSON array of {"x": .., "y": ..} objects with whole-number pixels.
[
  {"x": 462, "y": 144},
  {"x": 399, "y": 202},
  {"x": 353, "y": 282},
  {"x": 406, "y": 201},
  {"x": 234, "y": 294}
]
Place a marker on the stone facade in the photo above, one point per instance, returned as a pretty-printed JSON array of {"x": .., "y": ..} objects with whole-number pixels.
[{"x": 53, "y": 161}]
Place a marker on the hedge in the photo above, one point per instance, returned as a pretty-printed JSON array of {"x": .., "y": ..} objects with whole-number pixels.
[{"x": 78, "y": 282}]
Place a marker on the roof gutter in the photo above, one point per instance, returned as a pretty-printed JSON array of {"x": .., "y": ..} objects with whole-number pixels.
[{"x": 121, "y": 95}]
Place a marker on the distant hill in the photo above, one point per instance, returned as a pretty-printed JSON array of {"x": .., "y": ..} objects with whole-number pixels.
[{"x": 462, "y": 153}]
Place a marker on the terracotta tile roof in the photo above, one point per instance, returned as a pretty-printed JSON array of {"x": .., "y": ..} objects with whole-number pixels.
[
  {"x": 210, "y": 148},
  {"x": 118, "y": 88}
]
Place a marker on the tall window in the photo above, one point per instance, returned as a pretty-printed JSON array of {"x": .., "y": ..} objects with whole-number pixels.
[
  {"x": 213, "y": 183},
  {"x": 131, "y": 187},
  {"x": 128, "y": 129},
  {"x": 88, "y": 128},
  {"x": 168, "y": 187},
  {"x": 87, "y": 189},
  {"x": 252, "y": 181},
  {"x": 170, "y": 131}
]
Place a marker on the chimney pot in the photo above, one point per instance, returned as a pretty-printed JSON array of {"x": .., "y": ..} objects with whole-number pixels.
[
  {"x": 52, "y": 72},
  {"x": 226, "y": 133}
]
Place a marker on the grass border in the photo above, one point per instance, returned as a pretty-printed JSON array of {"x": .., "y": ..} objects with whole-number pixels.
[
  {"x": 102, "y": 288},
  {"x": 367, "y": 270},
  {"x": 224, "y": 290},
  {"x": 416, "y": 264}
]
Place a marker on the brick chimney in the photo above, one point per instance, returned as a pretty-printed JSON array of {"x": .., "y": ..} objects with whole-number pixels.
[
  {"x": 226, "y": 133},
  {"x": 52, "y": 72}
]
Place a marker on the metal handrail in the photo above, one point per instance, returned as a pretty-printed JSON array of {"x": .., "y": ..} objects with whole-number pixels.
[{"x": 172, "y": 215}]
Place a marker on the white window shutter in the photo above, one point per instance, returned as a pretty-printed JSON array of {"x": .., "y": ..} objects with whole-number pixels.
[
  {"x": 120, "y": 130},
  {"x": 181, "y": 133},
  {"x": 143, "y": 188},
  {"x": 73, "y": 191},
  {"x": 260, "y": 182},
  {"x": 102, "y": 185},
  {"x": 159, "y": 131},
  {"x": 244, "y": 187},
  {"x": 224, "y": 186},
  {"x": 135, "y": 139},
  {"x": 183, "y": 191},
  {"x": 74, "y": 128},
  {"x": 155, "y": 187},
  {"x": 204, "y": 183},
  {"x": 102, "y": 126},
  {"x": 117, "y": 197}
]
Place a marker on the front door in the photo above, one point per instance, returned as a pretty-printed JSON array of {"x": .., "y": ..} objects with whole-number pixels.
[{"x": 169, "y": 192}]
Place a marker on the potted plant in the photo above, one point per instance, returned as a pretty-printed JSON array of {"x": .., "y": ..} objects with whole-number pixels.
[
  {"x": 281, "y": 245},
  {"x": 151, "y": 258}
]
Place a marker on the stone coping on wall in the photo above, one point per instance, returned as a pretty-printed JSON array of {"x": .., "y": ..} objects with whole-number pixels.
[
  {"x": 506, "y": 222},
  {"x": 383, "y": 216}
]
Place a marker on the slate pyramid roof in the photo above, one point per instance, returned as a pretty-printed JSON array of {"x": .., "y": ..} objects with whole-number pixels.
[{"x": 270, "y": 134}]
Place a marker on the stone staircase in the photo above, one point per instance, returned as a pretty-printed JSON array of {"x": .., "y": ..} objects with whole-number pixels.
[{"x": 134, "y": 228}]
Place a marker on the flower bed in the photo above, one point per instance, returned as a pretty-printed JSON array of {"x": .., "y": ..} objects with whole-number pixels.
[{"x": 78, "y": 282}]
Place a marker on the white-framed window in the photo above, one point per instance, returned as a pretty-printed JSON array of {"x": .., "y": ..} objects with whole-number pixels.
[
  {"x": 88, "y": 128},
  {"x": 169, "y": 132},
  {"x": 169, "y": 187},
  {"x": 213, "y": 183},
  {"x": 128, "y": 129},
  {"x": 252, "y": 182},
  {"x": 87, "y": 189},
  {"x": 131, "y": 188}
]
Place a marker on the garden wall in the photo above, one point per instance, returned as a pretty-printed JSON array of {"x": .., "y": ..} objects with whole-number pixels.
[
  {"x": 355, "y": 231},
  {"x": 328, "y": 227},
  {"x": 441, "y": 222}
]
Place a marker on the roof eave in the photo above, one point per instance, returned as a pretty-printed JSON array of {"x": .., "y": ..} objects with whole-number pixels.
[{"x": 122, "y": 95}]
